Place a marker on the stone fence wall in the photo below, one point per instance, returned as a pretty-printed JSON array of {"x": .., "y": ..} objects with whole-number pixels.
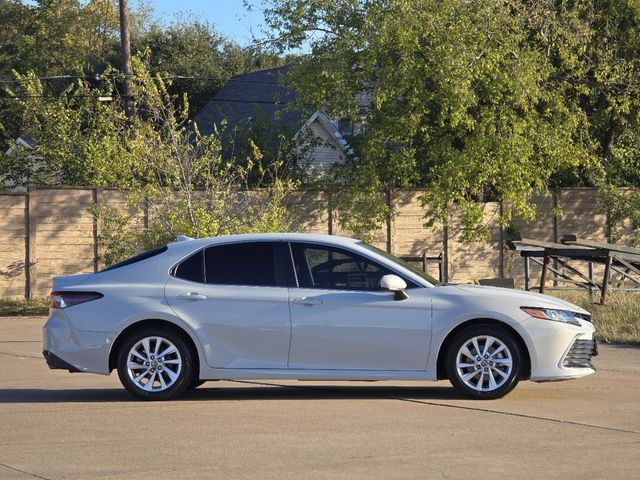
[{"x": 48, "y": 231}]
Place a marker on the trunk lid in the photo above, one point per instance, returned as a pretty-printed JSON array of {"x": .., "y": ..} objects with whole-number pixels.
[{"x": 63, "y": 281}]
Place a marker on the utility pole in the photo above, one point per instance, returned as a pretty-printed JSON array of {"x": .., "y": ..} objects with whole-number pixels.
[{"x": 125, "y": 56}]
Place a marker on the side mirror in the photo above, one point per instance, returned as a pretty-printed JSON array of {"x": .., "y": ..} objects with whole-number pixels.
[{"x": 394, "y": 284}]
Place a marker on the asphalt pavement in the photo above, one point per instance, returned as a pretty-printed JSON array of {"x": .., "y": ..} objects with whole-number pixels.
[{"x": 58, "y": 425}]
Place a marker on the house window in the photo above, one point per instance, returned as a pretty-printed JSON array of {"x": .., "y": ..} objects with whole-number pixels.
[{"x": 345, "y": 127}]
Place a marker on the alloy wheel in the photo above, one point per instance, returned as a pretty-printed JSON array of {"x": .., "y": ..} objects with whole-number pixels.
[
  {"x": 154, "y": 364},
  {"x": 484, "y": 363}
]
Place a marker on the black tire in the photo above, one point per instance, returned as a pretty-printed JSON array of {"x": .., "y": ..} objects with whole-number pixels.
[
  {"x": 195, "y": 383},
  {"x": 479, "y": 371},
  {"x": 185, "y": 373}
]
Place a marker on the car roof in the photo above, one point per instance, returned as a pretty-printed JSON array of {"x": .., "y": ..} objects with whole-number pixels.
[
  {"x": 186, "y": 246},
  {"x": 157, "y": 266},
  {"x": 307, "y": 237}
]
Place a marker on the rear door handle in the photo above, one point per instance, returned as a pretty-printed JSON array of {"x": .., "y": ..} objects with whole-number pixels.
[
  {"x": 192, "y": 296},
  {"x": 306, "y": 301}
]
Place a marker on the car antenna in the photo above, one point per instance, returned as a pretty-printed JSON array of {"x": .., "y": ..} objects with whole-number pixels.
[{"x": 182, "y": 238}]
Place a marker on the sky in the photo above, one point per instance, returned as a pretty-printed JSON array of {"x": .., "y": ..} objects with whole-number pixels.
[{"x": 229, "y": 16}]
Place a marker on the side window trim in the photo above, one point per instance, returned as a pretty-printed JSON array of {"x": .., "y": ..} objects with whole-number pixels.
[
  {"x": 279, "y": 256},
  {"x": 292, "y": 266}
]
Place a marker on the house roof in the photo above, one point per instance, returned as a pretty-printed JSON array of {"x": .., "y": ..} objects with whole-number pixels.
[
  {"x": 245, "y": 97},
  {"x": 24, "y": 141}
]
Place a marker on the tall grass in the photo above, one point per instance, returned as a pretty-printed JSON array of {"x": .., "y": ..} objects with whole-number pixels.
[
  {"x": 618, "y": 321},
  {"x": 17, "y": 307}
]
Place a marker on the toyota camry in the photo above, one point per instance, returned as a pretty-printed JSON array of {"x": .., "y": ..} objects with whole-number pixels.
[{"x": 307, "y": 307}]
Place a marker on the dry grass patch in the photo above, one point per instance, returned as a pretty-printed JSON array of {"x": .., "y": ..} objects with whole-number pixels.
[
  {"x": 616, "y": 322},
  {"x": 14, "y": 307}
]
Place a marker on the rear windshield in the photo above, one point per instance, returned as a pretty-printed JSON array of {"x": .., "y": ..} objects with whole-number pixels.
[{"x": 137, "y": 258}]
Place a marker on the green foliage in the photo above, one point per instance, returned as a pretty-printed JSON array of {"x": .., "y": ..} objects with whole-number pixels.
[
  {"x": 618, "y": 181},
  {"x": 78, "y": 138},
  {"x": 81, "y": 38},
  {"x": 177, "y": 181},
  {"x": 57, "y": 38},
  {"x": 358, "y": 198},
  {"x": 169, "y": 171},
  {"x": 190, "y": 47},
  {"x": 61, "y": 36},
  {"x": 493, "y": 100},
  {"x": 281, "y": 152}
]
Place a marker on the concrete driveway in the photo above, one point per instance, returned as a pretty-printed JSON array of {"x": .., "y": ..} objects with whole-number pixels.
[{"x": 56, "y": 425}]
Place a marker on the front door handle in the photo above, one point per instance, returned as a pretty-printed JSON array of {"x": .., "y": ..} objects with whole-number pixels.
[
  {"x": 306, "y": 301},
  {"x": 192, "y": 296}
]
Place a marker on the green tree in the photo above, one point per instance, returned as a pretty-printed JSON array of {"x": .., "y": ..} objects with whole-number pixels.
[
  {"x": 606, "y": 82},
  {"x": 62, "y": 38},
  {"x": 57, "y": 38},
  {"x": 492, "y": 100},
  {"x": 191, "y": 47},
  {"x": 157, "y": 157},
  {"x": 77, "y": 136}
]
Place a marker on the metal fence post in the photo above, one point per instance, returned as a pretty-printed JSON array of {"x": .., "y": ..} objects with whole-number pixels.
[
  {"x": 31, "y": 260},
  {"x": 591, "y": 280}
]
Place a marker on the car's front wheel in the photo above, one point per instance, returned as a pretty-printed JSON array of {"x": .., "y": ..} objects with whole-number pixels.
[
  {"x": 484, "y": 362},
  {"x": 155, "y": 364}
]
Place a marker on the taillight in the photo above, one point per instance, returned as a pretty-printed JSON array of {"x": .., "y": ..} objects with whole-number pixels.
[{"x": 69, "y": 299}]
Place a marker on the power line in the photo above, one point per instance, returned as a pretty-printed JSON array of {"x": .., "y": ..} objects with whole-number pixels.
[
  {"x": 229, "y": 100},
  {"x": 98, "y": 78},
  {"x": 113, "y": 97},
  {"x": 105, "y": 98}
]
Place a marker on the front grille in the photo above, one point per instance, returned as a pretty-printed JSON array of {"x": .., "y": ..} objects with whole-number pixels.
[{"x": 580, "y": 353}]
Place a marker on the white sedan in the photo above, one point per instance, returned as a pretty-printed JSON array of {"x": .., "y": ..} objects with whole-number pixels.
[{"x": 308, "y": 307}]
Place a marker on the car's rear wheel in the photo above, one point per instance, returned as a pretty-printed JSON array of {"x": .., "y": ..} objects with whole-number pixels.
[
  {"x": 155, "y": 364},
  {"x": 484, "y": 362}
]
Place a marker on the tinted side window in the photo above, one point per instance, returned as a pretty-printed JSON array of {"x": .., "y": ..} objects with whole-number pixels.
[
  {"x": 324, "y": 267},
  {"x": 192, "y": 268},
  {"x": 241, "y": 264}
]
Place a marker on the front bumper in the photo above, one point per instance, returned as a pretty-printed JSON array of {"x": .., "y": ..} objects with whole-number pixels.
[
  {"x": 67, "y": 348},
  {"x": 560, "y": 351},
  {"x": 581, "y": 353}
]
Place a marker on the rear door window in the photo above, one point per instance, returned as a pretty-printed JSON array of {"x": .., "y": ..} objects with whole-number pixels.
[
  {"x": 251, "y": 263},
  {"x": 192, "y": 268}
]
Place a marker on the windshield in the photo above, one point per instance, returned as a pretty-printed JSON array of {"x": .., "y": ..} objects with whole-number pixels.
[{"x": 402, "y": 263}]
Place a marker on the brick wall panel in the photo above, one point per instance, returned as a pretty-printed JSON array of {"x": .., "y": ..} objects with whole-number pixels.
[
  {"x": 12, "y": 245},
  {"x": 64, "y": 238},
  {"x": 470, "y": 262},
  {"x": 410, "y": 236},
  {"x": 65, "y": 233}
]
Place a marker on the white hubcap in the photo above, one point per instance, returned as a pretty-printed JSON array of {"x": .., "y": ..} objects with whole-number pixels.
[
  {"x": 154, "y": 364},
  {"x": 484, "y": 363}
]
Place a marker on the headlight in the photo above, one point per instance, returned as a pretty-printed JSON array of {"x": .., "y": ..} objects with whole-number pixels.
[{"x": 564, "y": 316}]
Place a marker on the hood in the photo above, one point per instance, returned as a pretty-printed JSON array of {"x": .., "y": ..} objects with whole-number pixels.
[
  {"x": 526, "y": 299},
  {"x": 68, "y": 280}
]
